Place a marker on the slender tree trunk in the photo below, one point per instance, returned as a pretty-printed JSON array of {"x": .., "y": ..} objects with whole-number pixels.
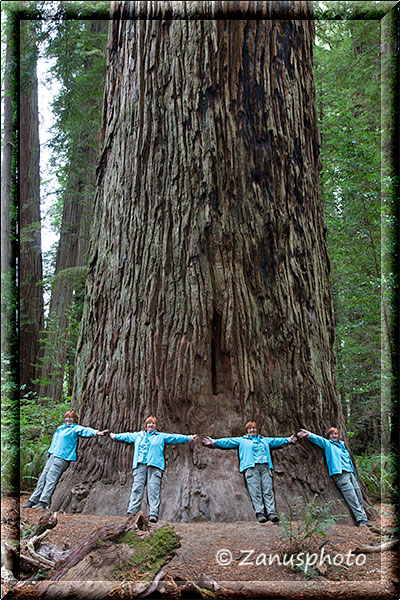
[
  {"x": 9, "y": 244},
  {"x": 390, "y": 210},
  {"x": 208, "y": 300},
  {"x": 30, "y": 265},
  {"x": 71, "y": 254},
  {"x": 5, "y": 200}
]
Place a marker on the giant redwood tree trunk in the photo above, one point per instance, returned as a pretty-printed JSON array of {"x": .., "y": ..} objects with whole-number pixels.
[{"x": 208, "y": 299}]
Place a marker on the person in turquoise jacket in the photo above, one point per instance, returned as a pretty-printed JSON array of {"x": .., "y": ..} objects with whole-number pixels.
[
  {"x": 341, "y": 469},
  {"x": 148, "y": 463},
  {"x": 61, "y": 453},
  {"x": 255, "y": 463}
]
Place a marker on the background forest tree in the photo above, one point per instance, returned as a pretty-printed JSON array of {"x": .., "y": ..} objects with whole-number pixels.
[
  {"x": 347, "y": 54},
  {"x": 348, "y": 79}
]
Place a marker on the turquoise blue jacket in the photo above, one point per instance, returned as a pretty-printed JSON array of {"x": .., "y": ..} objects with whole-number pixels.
[
  {"x": 245, "y": 447},
  {"x": 333, "y": 453},
  {"x": 65, "y": 440},
  {"x": 157, "y": 441}
]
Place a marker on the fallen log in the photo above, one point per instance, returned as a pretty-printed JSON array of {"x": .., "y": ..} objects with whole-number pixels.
[
  {"x": 383, "y": 547},
  {"x": 106, "y": 563},
  {"x": 101, "y": 535},
  {"x": 27, "y": 552},
  {"x": 30, "y": 554}
]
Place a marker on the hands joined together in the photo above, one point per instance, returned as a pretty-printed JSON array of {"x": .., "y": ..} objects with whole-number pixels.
[{"x": 102, "y": 432}]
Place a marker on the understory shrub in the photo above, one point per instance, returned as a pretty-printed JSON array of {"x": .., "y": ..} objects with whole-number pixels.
[
  {"x": 378, "y": 472},
  {"x": 307, "y": 523}
]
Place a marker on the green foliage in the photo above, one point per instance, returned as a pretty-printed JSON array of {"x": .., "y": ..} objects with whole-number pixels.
[
  {"x": 26, "y": 531},
  {"x": 9, "y": 466},
  {"x": 347, "y": 10},
  {"x": 75, "y": 275},
  {"x": 27, "y": 425},
  {"x": 77, "y": 49},
  {"x": 30, "y": 234},
  {"x": 312, "y": 521},
  {"x": 59, "y": 343},
  {"x": 347, "y": 75},
  {"x": 38, "y": 417},
  {"x": 9, "y": 401},
  {"x": 379, "y": 473},
  {"x": 33, "y": 457},
  {"x": 78, "y": 9}
]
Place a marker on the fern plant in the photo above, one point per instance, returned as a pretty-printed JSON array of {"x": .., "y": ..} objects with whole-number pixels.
[
  {"x": 378, "y": 472},
  {"x": 312, "y": 521},
  {"x": 32, "y": 461}
]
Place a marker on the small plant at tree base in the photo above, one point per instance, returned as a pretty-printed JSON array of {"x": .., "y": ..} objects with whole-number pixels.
[
  {"x": 310, "y": 573},
  {"x": 312, "y": 521},
  {"x": 40, "y": 575},
  {"x": 26, "y": 531}
]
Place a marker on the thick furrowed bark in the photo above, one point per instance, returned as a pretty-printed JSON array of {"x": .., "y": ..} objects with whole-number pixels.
[{"x": 208, "y": 299}]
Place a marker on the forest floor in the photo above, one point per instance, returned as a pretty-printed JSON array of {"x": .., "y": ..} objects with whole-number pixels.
[{"x": 248, "y": 558}]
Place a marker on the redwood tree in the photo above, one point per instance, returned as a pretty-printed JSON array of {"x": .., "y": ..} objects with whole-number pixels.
[
  {"x": 81, "y": 93},
  {"x": 208, "y": 300},
  {"x": 30, "y": 263},
  {"x": 6, "y": 179}
]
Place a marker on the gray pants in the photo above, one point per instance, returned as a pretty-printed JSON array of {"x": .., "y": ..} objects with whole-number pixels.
[
  {"x": 143, "y": 474},
  {"x": 47, "y": 482},
  {"x": 348, "y": 485},
  {"x": 259, "y": 484}
]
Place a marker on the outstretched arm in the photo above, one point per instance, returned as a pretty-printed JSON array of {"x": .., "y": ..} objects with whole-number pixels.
[
  {"x": 102, "y": 432},
  {"x": 87, "y": 431},
  {"x": 279, "y": 442},
  {"x": 128, "y": 437},
  {"x": 178, "y": 438},
  {"x": 224, "y": 443}
]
